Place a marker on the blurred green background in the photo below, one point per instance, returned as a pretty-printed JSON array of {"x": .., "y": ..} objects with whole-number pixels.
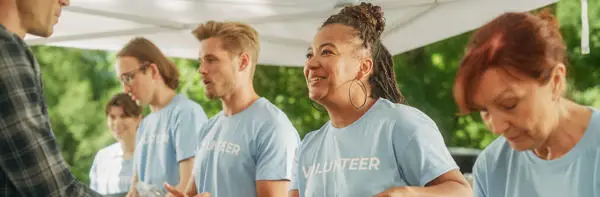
[{"x": 78, "y": 83}]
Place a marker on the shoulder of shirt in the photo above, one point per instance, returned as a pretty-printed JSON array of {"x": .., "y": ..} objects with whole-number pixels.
[
  {"x": 184, "y": 107},
  {"x": 269, "y": 112},
  {"x": 5, "y": 36},
  {"x": 595, "y": 124},
  {"x": 403, "y": 116},
  {"x": 186, "y": 104},
  {"x": 494, "y": 154},
  {"x": 272, "y": 119},
  {"x": 214, "y": 118},
  {"x": 311, "y": 135},
  {"x": 109, "y": 150},
  {"x": 8, "y": 39}
]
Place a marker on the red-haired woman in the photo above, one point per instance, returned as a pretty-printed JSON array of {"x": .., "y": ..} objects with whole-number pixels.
[{"x": 514, "y": 74}]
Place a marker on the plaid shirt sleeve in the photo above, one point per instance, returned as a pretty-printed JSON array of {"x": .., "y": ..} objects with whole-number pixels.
[{"x": 30, "y": 161}]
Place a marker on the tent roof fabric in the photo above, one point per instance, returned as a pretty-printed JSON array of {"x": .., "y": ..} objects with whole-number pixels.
[{"x": 286, "y": 27}]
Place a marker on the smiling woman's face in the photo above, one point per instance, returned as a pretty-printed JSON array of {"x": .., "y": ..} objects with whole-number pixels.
[
  {"x": 121, "y": 125},
  {"x": 333, "y": 60}
]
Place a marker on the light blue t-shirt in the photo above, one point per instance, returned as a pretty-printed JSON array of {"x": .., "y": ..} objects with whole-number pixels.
[
  {"x": 110, "y": 173},
  {"x": 256, "y": 144},
  {"x": 500, "y": 171},
  {"x": 390, "y": 145},
  {"x": 165, "y": 138}
]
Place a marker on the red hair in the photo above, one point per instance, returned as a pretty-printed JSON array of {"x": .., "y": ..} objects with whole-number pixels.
[{"x": 529, "y": 44}]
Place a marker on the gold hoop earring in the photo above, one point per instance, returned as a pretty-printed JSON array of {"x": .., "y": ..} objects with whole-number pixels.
[{"x": 364, "y": 89}]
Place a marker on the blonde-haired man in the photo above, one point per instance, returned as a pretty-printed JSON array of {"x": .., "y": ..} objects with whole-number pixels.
[{"x": 248, "y": 148}]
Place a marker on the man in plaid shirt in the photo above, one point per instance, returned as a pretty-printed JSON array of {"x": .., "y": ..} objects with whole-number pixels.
[{"x": 30, "y": 160}]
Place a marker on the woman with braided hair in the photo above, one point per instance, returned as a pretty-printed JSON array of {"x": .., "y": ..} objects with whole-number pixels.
[{"x": 373, "y": 145}]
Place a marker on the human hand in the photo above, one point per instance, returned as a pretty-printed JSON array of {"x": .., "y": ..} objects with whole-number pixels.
[
  {"x": 174, "y": 192},
  {"x": 132, "y": 193},
  {"x": 394, "y": 192}
]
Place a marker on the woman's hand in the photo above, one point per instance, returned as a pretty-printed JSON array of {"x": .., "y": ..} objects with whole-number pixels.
[{"x": 394, "y": 192}]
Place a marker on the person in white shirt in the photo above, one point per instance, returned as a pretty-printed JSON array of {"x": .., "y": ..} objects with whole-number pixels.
[{"x": 112, "y": 168}]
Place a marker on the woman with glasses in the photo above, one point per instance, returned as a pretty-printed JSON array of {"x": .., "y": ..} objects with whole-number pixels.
[{"x": 166, "y": 139}]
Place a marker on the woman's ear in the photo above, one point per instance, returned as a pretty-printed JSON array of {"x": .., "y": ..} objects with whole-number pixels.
[
  {"x": 365, "y": 68},
  {"x": 558, "y": 80}
]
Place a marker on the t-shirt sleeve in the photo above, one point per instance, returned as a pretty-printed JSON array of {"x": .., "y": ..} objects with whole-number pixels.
[
  {"x": 138, "y": 137},
  {"x": 479, "y": 178},
  {"x": 294, "y": 181},
  {"x": 276, "y": 148},
  {"x": 93, "y": 173},
  {"x": 185, "y": 130},
  {"x": 420, "y": 151}
]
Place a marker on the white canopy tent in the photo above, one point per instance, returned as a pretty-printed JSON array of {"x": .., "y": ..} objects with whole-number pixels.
[{"x": 286, "y": 27}]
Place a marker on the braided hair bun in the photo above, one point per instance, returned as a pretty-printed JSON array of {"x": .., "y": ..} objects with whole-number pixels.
[{"x": 366, "y": 18}]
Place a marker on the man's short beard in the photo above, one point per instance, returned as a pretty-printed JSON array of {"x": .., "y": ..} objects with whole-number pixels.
[{"x": 212, "y": 96}]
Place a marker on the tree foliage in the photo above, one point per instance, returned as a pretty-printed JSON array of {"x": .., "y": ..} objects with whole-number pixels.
[{"x": 78, "y": 83}]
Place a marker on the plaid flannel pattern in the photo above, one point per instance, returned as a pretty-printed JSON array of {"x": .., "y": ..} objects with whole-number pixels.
[{"x": 30, "y": 160}]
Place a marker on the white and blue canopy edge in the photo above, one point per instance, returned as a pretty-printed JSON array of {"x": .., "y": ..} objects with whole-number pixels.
[{"x": 286, "y": 27}]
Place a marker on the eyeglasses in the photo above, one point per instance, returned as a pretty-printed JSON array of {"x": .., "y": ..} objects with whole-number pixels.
[{"x": 127, "y": 77}]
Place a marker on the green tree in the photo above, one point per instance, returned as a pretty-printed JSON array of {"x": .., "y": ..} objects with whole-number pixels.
[{"x": 77, "y": 83}]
